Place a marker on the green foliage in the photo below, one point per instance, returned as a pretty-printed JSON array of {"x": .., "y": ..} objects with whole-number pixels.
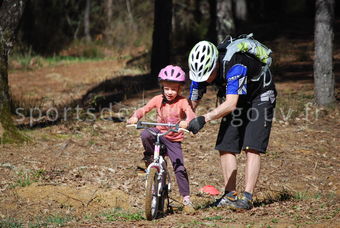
[
  {"x": 213, "y": 218},
  {"x": 10, "y": 223},
  {"x": 39, "y": 173},
  {"x": 26, "y": 178},
  {"x": 24, "y": 60},
  {"x": 92, "y": 52},
  {"x": 29, "y": 61},
  {"x": 50, "y": 221},
  {"x": 120, "y": 215},
  {"x": 275, "y": 220},
  {"x": 306, "y": 196},
  {"x": 11, "y": 133}
]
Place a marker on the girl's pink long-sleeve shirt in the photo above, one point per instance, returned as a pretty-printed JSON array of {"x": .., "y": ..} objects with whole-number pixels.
[{"x": 170, "y": 112}]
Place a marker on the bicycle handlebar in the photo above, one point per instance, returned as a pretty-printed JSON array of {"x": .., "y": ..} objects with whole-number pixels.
[{"x": 173, "y": 127}]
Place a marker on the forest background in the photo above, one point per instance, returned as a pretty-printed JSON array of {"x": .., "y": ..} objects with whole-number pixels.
[{"x": 78, "y": 69}]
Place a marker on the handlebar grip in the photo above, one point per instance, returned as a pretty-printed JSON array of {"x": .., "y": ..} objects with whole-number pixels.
[
  {"x": 183, "y": 129},
  {"x": 137, "y": 126}
]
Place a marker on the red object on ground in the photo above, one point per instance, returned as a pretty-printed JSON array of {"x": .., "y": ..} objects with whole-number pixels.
[{"x": 211, "y": 190}]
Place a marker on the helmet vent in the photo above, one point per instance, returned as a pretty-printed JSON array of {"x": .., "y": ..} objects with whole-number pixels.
[
  {"x": 205, "y": 71},
  {"x": 198, "y": 55},
  {"x": 202, "y": 59}
]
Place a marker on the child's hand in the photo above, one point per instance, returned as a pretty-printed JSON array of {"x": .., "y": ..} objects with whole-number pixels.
[
  {"x": 132, "y": 120},
  {"x": 183, "y": 124}
]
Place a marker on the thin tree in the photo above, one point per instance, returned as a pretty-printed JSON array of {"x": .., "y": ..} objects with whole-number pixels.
[
  {"x": 160, "y": 55},
  {"x": 132, "y": 20},
  {"x": 212, "y": 30},
  {"x": 225, "y": 24},
  {"x": 324, "y": 81},
  {"x": 10, "y": 14},
  {"x": 241, "y": 13},
  {"x": 87, "y": 21},
  {"x": 108, "y": 29}
]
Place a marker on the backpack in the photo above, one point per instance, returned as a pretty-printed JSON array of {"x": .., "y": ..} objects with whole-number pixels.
[{"x": 246, "y": 44}]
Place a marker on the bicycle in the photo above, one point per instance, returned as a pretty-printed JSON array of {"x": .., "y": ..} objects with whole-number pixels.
[{"x": 158, "y": 183}]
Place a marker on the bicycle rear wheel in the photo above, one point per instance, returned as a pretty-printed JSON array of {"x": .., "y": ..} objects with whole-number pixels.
[{"x": 151, "y": 194}]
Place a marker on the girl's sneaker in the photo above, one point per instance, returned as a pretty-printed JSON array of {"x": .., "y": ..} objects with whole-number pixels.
[
  {"x": 143, "y": 164},
  {"x": 188, "y": 207}
]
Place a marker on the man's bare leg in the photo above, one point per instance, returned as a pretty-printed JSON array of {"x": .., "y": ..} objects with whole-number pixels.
[
  {"x": 229, "y": 170},
  {"x": 252, "y": 170}
]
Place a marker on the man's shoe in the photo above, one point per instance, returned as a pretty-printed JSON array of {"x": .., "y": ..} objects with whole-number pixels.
[
  {"x": 228, "y": 200},
  {"x": 243, "y": 203}
]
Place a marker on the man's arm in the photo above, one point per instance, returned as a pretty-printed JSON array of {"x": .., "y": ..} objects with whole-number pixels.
[
  {"x": 197, "y": 89},
  {"x": 223, "y": 109},
  {"x": 194, "y": 104}
]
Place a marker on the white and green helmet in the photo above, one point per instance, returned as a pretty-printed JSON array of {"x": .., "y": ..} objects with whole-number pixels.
[{"x": 202, "y": 61}]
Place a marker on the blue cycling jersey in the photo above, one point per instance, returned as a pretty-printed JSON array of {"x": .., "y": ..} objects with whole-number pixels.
[
  {"x": 236, "y": 79},
  {"x": 197, "y": 89}
]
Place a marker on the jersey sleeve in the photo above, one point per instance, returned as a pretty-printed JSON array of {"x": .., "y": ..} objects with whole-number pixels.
[
  {"x": 197, "y": 89},
  {"x": 190, "y": 114},
  {"x": 139, "y": 113},
  {"x": 237, "y": 80}
]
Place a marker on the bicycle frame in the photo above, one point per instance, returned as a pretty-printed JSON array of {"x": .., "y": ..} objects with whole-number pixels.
[{"x": 159, "y": 164}]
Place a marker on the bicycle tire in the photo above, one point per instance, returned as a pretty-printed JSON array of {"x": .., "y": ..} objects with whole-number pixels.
[
  {"x": 164, "y": 199},
  {"x": 151, "y": 194}
]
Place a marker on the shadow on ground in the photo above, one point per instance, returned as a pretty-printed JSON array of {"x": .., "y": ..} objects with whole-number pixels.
[{"x": 106, "y": 94}]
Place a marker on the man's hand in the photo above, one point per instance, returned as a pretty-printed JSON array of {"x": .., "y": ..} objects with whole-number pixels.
[
  {"x": 193, "y": 104},
  {"x": 196, "y": 124}
]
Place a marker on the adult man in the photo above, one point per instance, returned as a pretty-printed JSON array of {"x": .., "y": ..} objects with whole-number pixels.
[{"x": 246, "y": 113}]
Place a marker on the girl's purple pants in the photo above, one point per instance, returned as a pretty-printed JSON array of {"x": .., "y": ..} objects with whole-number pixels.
[{"x": 174, "y": 151}]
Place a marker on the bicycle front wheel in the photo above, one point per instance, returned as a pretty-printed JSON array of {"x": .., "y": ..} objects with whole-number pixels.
[{"x": 151, "y": 194}]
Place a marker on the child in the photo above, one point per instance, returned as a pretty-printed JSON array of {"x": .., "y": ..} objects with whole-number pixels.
[{"x": 171, "y": 108}]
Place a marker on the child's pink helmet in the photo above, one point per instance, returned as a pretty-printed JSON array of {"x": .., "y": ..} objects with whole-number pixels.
[{"x": 172, "y": 73}]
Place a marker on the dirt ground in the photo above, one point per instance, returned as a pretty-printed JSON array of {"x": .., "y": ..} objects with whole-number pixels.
[{"x": 81, "y": 172}]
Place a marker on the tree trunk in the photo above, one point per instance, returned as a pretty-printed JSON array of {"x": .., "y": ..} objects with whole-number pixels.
[
  {"x": 132, "y": 20},
  {"x": 108, "y": 29},
  {"x": 10, "y": 15},
  {"x": 212, "y": 30},
  {"x": 87, "y": 21},
  {"x": 324, "y": 81},
  {"x": 241, "y": 10},
  {"x": 160, "y": 55},
  {"x": 225, "y": 22}
]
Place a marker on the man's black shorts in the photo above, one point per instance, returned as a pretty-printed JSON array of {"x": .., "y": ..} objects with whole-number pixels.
[{"x": 248, "y": 127}]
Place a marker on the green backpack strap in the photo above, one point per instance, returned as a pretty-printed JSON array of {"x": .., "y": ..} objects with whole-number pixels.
[{"x": 249, "y": 45}]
